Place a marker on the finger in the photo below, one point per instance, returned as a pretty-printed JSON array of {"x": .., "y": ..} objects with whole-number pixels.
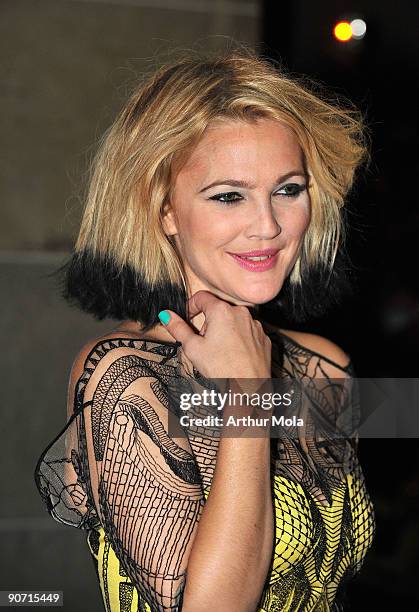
[
  {"x": 201, "y": 301},
  {"x": 176, "y": 326}
]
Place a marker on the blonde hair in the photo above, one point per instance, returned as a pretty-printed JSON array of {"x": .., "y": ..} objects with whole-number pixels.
[{"x": 135, "y": 167}]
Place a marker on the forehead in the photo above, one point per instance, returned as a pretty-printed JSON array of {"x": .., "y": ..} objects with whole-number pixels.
[{"x": 263, "y": 143}]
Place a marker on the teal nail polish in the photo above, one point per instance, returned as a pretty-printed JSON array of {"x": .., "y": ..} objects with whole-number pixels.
[{"x": 164, "y": 317}]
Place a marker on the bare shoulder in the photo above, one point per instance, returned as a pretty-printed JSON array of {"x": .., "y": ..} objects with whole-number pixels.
[{"x": 320, "y": 345}]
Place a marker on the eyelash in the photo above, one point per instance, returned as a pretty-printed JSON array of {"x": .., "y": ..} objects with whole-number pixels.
[{"x": 295, "y": 194}]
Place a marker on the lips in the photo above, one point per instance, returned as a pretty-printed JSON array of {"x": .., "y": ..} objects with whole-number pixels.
[
  {"x": 257, "y": 253},
  {"x": 256, "y": 266}
]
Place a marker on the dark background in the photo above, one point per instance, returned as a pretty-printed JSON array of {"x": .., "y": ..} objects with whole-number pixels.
[
  {"x": 66, "y": 66},
  {"x": 379, "y": 324}
]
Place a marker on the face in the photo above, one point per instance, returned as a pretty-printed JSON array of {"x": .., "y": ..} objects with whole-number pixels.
[{"x": 244, "y": 188}]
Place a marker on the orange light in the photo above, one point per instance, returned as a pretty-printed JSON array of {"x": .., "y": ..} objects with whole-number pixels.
[{"x": 342, "y": 31}]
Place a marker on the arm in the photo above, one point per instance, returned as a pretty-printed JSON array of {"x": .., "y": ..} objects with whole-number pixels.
[
  {"x": 347, "y": 403},
  {"x": 329, "y": 361},
  {"x": 150, "y": 500},
  {"x": 147, "y": 488},
  {"x": 233, "y": 546}
]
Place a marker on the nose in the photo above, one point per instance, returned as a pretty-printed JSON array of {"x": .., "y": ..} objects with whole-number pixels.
[{"x": 263, "y": 223}]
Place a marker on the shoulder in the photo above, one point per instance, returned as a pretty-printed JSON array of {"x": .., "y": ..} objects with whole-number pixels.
[
  {"x": 96, "y": 352},
  {"x": 113, "y": 373},
  {"x": 320, "y": 346},
  {"x": 89, "y": 347}
]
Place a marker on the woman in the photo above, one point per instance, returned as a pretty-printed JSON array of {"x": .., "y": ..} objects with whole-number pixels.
[{"x": 212, "y": 162}]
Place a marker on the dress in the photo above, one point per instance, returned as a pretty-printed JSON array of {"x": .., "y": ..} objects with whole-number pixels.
[{"x": 149, "y": 507}]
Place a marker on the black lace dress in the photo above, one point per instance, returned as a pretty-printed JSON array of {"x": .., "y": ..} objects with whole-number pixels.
[{"x": 140, "y": 509}]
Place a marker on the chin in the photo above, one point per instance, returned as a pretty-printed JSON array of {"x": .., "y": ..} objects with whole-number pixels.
[{"x": 261, "y": 297}]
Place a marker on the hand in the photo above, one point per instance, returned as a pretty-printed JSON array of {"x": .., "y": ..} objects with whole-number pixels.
[{"x": 231, "y": 344}]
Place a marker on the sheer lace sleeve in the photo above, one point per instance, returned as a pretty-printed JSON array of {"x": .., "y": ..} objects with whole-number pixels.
[
  {"x": 349, "y": 414},
  {"x": 115, "y": 465},
  {"x": 62, "y": 477}
]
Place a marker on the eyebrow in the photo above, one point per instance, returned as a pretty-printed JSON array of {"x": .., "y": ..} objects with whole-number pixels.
[{"x": 245, "y": 184}]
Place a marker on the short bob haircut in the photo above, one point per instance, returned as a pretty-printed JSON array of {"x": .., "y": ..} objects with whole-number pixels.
[{"x": 124, "y": 266}]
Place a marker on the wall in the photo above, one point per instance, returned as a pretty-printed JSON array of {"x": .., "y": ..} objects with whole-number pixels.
[{"x": 65, "y": 69}]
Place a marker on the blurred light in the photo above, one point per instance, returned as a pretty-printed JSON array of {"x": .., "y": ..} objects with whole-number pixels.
[
  {"x": 358, "y": 27},
  {"x": 342, "y": 31}
]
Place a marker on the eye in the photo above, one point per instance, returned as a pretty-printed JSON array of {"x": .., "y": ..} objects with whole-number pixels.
[
  {"x": 227, "y": 197},
  {"x": 291, "y": 190}
]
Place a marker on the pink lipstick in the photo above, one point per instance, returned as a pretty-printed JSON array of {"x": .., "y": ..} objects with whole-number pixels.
[{"x": 266, "y": 259}]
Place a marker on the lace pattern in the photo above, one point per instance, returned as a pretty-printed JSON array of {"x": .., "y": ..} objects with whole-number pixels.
[{"x": 100, "y": 474}]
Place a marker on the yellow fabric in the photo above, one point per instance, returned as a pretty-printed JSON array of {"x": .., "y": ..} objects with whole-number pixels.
[
  {"x": 324, "y": 517},
  {"x": 294, "y": 533}
]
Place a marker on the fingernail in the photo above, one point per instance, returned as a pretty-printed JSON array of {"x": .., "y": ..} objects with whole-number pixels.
[{"x": 164, "y": 317}]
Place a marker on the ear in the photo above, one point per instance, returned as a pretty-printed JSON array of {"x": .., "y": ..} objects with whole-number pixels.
[{"x": 169, "y": 220}]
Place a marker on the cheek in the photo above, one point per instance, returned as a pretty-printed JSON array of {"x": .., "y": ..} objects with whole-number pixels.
[
  {"x": 296, "y": 223},
  {"x": 190, "y": 227},
  {"x": 210, "y": 229},
  {"x": 201, "y": 233}
]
